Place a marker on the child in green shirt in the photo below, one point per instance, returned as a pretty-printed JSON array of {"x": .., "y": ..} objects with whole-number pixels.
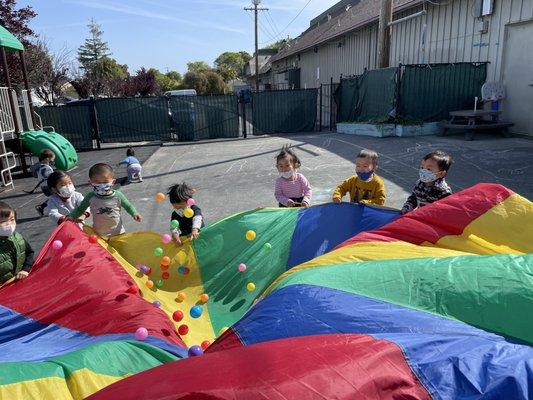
[{"x": 105, "y": 203}]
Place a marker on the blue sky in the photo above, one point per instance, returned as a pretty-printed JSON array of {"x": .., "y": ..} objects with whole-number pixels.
[{"x": 169, "y": 33}]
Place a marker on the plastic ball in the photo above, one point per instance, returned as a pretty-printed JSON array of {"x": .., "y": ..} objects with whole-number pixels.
[
  {"x": 163, "y": 267},
  {"x": 204, "y": 298},
  {"x": 157, "y": 303},
  {"x": 159, "y": 283},
  {"x": 132, "y": 290},
  {"x": 149, "y": 284},
  {"x": 242, "y": 267},
  {"x": 222, "y": 330},
  {"x": 165, "y": 260},
  {"x": 196, "y": 311},
  {"x": 57, "y": 244},
  {"x": 182, "y": 257},
  {"x": 250, "y": 235},
  {"x": 141, "y": 333},
  {"x": 181, "y": 296},
  {"x": 93, "y": 239},
  {"x": 191, "y": 202},
  {"x": 181, "y": 270},
  {"x": 188, "y": 213},
  {"x": 205, "y": 344},
  {"x": 250, "y": 287},
  {"x": 166, "y": 238},
  {"x": 186, "y": 271},
  {"x": 195, "y": 351},
  {"x": 174, "y": 224},
  {"x": 267, "y": 246},
  {"x": 177, "y": 316},
  {"x": 165, "y": 275},
  {"x": 148, "y": 270},
  {"x": 183, "y": 330},
  {"x": 158, "y": 251},
  {"x": 160, "y": 197}
]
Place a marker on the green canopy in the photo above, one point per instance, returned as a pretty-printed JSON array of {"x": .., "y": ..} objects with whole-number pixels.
[{"x": 8, "y": 41}]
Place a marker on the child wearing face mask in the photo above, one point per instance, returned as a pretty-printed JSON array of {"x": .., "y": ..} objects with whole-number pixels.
[
  {"x": 105, "y": 203},
  {"x": 178, "y": 195},
  {"x": 292, "y": 188},
  {"x": 44, "y": 169},
  {"x": 16, "y": 254},
  {"x": 365, "y": 186},
  {"x": 64, "y": 198},
  {"x": 432, "y": 185}
]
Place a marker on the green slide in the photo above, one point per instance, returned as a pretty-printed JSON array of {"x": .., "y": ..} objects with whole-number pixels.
[{"x": 35, "y": 141}]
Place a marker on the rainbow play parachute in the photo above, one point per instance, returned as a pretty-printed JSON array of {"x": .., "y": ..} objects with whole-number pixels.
[{"x": 353, "y": 302}]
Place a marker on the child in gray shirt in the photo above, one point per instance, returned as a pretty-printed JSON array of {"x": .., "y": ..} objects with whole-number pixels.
[{"x": 64, "y": 198}]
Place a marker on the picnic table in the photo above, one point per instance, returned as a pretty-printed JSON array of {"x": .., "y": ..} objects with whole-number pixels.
[{"x": 476, "y": 120}]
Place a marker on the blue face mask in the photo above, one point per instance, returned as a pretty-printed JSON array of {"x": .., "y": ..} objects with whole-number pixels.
[
  {"x": 364, "y": 175},
  {"x": 427, "y": 176}
]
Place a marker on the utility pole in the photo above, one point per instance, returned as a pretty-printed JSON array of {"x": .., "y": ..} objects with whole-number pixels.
[
  {"x": 256, "y": 10},
  {"x": 385, "y": 17}
]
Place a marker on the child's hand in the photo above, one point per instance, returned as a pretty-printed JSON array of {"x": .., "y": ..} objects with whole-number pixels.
[
  {"x": 290, "y": 203},
  {"x": 138, "y": 218},
  {"x": 337, "y": 200},
  {"x": 305, "y": 205},
  {"x": 176, "y": 239},
  {"x": 21, "y": 275},
  {"x": 194, "y": 234}
]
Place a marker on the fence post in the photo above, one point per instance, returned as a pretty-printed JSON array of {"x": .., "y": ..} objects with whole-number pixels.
[
  {"x": 243, "y": 106},
  {"x": 94, "y": 121},
  {"x": 398, "y": 91},
  {"x": 320, "y": 110},
  {"x": 331, "y": 104}
]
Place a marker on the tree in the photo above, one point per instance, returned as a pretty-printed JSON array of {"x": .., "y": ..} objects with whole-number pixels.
[
  {"x": 174, "y": 75},
  {"x": 198, "y": 66},
  {"x": 215, "y": 83},
  {"x": 112, "y": 76},
  {"x": 142, "y": 84},
  {"x": 231, "y": 64},
  {"x": 195, "y": 80},
  {"x": 279, "y": 45},
  {"x": 169, "y": 81},
  {"x": 94, "y": 48}
]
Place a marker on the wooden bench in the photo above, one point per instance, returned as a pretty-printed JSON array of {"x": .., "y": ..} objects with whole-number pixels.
[{"x": 475, "y": 120}]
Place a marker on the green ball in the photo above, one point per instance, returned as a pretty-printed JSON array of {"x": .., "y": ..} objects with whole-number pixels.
[
  {"x": 158, "y": 251},
  {"x": 159, "y": 283},
  {"x": 267, "y": 246},
  {"x": 174, "y": 224}
]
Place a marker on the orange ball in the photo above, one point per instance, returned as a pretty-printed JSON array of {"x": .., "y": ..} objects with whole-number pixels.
[
  {"x": 160, "y": 197},
  {"x": 165, "y": 261},
  {"x": 204, "y": 298},
  {"x": 149, "y": 284},
  {"x": 181, "y": 296},
  {"x": 163, "y": 267}
]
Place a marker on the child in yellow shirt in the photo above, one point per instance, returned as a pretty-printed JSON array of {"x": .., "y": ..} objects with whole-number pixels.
[{"x": 365, "y": 186}]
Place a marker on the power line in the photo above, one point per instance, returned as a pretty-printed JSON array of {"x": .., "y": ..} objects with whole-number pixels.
[
  {"x": 290, "y": 23},
  {"x": 272, "y": 23},
  {"x": 266, "y": 32}
]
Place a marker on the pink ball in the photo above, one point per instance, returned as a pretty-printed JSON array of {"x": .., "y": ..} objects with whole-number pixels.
[
  {"x": 191, "y": 202},
  {"x": 242, "y": 267},
  {"x": 166, "y": 238},
  {"x": 141, "y": 333},
  {"x": 57, "y": 244}
]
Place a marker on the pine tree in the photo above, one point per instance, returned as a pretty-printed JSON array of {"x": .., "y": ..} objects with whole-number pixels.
[{"x": 93, "y": 50}]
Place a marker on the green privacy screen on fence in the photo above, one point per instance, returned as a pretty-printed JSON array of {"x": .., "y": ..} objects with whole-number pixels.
[
  {"x": 368, "y": 97},
  {"x": 430, "y": 92},
  {"x": 284, "y": 111},
  {"x": 71, "y": 122},
  {"x": 205, "y": 117},
  {"x": 133, "y": 119}
]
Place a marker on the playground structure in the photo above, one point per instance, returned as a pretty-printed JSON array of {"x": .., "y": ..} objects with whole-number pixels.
[{"x": 21, "y": 128}]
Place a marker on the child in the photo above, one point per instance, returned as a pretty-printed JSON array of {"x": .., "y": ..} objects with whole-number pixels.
[
  {"x": 178, "y": 196},
  {"x": 64, "y": 198},
  {"x": 105, "y": 203},
  {"x": 292, "y": 188},
  {"x": 133, "y": 168},
  {"x": 44, "y": 169},
  {"x": 16, "y": 255},
  {"x": 431, "y": 186},
  {"x": 365, "y": 186}
]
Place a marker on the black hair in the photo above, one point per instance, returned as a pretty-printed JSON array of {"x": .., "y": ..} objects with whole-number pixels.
[
  {"x": 55, "y": 177},
  {"x": 46, "y": 154},
  {"x": 101, "y": 169},
  {"x": 6, "y": 210},
  {"x": 130, "y": 152},
  {"x": 443, "y": 160},
  {"x": 180, "y": 192},
  {"x": 370, "y": 154},
  {"x": 288, "y": 152}
]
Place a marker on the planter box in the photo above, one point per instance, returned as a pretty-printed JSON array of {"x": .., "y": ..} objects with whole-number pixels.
[
  {"x": 384, "y": 130},
  {"x": 429, "y": 128}
]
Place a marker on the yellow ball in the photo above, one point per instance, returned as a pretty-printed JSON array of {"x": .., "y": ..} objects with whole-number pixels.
[
  {"x": 204, "y": 298},
  {"x": 149, "y": 284},
  {"x": 160, "y": 197},
  {"x": 222, "y": 330},
  {"x": 188, "y": 212},
  {"x": 181, "y": 296},
  {"x": 250, "y": 287},
  {"x": 250, "y": 235},
  {"x": 182, "y": 257}
]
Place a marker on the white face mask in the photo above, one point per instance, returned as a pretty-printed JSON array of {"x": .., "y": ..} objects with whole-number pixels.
[
  {"x": 66, "y": 191},
  {"x": 287, "y": 175},
  {"x": 427, "y": 176},
  {"x": 102, "y": 189},
  {"x": 8, "y": 230}
]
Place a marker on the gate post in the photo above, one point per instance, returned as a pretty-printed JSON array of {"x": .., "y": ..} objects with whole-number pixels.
[
  {"x": 93, "y": 115},
  {"x": 331, "y": 104},
  {"x": 320, "y": 110},
  {"x": 243, "y": 106}
]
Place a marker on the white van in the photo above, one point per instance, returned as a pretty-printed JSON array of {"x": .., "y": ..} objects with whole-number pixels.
[{"x": 183, "y": 92}]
